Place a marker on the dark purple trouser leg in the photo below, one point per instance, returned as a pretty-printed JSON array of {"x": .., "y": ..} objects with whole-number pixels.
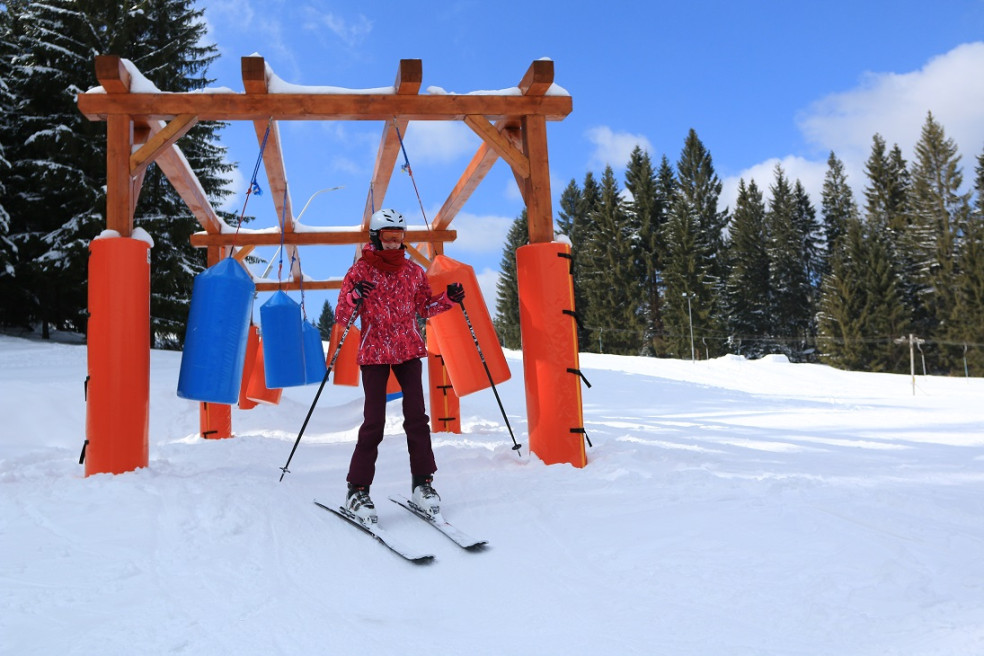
[{"x": 416, "y": 424}]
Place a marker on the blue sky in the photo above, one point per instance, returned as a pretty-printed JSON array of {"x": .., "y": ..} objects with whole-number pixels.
[{"x": 760, "y": 82}]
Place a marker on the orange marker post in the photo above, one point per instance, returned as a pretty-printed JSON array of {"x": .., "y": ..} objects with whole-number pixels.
[
  {"x": 550, "y": 353},
  {"x": 118, "y": 389}
]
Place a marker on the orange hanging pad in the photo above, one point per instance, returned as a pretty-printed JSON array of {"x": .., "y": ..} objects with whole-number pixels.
[
  {"x": 257, "y": 389},
  {"x": 252, "y": 344},
  {"x": 346, "y": 370},
  {"x": 550, "y": 355},
  {"x": 118, "y": 389},
  {"x": 454, "y": 339}
]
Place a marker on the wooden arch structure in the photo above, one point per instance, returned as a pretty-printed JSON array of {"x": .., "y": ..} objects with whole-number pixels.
[{"x": 144, "y": 127}]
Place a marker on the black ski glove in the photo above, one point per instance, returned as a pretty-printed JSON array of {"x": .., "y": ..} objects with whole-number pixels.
[
  {"x": 361, "y": 290},
  {"x": 456, "y": 292}
]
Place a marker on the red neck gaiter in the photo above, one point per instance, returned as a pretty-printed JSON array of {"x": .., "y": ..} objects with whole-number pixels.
[{"x": 389, "y": 261}]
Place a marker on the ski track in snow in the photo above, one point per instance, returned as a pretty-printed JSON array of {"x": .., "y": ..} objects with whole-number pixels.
[{"x": 728, "y": 507}]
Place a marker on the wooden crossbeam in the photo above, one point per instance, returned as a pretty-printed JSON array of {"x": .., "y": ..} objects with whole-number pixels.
[
  {"x": 321, "y": 107},
  {"x": 164, "y": 138},
  {"x": 503, "y": 148},
  {"x": 256, "y": 82},
  {"x": 312, "y": 237},
  {"x": 409, "y": 77}
]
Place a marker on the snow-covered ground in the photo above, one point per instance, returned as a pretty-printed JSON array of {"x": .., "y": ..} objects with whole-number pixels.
[{"x": 729, "y": 508}]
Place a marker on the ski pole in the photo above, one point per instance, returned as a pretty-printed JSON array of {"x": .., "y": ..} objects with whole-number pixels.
[
  {"x": 517, "y": 446},
  {"x": 324, "y": 380}
]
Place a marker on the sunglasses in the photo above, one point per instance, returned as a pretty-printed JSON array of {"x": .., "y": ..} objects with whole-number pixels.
[{"x": 391, "y": 236}]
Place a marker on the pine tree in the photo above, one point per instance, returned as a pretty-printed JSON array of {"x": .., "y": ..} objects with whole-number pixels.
[
  {"x": 939, "y": 213},
  {"x": 611, "y": 285},
  {"x": 171, "y": 53},
  {"x": 56, "y": 189},
  {"x": 577, "y": 206},
  {"x": 695, "y": 257},
  {"x": 648, "y": 211},
  {"x": 964, "y": 332},
  {"x": 789, "y": 272},
  {"x": 666, "y": 185},
  {"x": 326, "y": 321},
  {"x": 51, "y": 194},
  {"x": 861, "y": 309},
  {"x": 506, "y": 322},
  {"x": 8, "y": 252},
  {"x": 572, "y": 224},
  {"x": 747, "y": 290},
  {"x": 837, "y": 207}
]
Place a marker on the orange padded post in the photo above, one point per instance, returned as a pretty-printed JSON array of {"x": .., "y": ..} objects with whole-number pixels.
[
  {"x": 454, "y": 339},
  {"x": 550, "y": 356},
  {"x": 215, "y": 420},
  {"x": 346, "y": 371},
  {"x": 252, "y": 344},
  {"x": 445, "y": 406},
  {"x": 257, "y": 389},
  {"x": 118, "y": 388}
]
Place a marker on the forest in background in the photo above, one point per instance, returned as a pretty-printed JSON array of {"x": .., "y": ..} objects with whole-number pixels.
[{"x": 659, "y": 268}]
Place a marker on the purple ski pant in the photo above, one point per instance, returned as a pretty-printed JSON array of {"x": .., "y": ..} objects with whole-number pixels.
[{"x": 416, "y": 425}]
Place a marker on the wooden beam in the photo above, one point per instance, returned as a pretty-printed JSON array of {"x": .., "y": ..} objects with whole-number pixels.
[
  {"x": 538, "y": 78},
  {"x": 256, "y": 81},
  {"x": 320, "y": 107},
  {"x": 112, "y": 74},
  {"x": 163, "y": 139},
  {"x": 538, "y": 209},
  {"x": 491, "y": 135},
  {"x": 479, "y": 166},
  {"x": 293, "y": 285},
  {"x": 174, "y": 165},
  {"x": 119, "y": 182},
  {"x": 409, "y": 77},
  {"x": 312, "y": 238},
  {"x": 417, "y": 255}
]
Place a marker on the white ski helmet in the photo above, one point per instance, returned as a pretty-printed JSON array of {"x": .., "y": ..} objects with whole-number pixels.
[{"x": 386, "y": 219}]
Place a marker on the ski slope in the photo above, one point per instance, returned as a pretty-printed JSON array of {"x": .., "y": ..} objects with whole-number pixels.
[{"x": 729, "y": 507}]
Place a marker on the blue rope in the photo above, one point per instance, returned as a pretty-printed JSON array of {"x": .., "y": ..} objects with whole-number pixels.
[{"x": 406, "y": 167}]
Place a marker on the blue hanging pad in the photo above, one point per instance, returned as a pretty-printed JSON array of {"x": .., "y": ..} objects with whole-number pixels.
[
  {"x": 216, "y": 334},
  {"x": 283, "y": 342},
  {"x": 314, "y": 354}
]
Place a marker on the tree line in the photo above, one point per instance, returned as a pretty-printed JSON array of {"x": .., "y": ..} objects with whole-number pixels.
[
  {"x": 661, "y": 270},
  {"x": 53, "y": 159},
  {"x": 656, "y": 259}
]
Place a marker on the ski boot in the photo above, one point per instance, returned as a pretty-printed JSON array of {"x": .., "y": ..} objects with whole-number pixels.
[
  {"x": 360, "y": 506},
  {"x": 424, "y": 498}
]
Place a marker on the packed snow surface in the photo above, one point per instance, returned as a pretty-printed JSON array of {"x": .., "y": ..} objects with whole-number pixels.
[{"x": 729, "y": 507}]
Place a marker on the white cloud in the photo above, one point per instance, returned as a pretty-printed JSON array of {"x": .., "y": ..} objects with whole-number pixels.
[
  {"x": 808, "y": 172},
  {"x": 479, "y": 234},
  {"x": 614, "y": 148},
  {"x": 487, "y": 280},
  {"x": 350, "y": 32},
  {"x": 438, "y": 141},
  {"x": 895, "y": 105}
]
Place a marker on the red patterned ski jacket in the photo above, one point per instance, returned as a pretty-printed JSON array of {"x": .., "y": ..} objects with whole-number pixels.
[{"x": 389, "y": 312}]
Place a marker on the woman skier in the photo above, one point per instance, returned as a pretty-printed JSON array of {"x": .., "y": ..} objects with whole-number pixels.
[{"x": 388, "y": 291}]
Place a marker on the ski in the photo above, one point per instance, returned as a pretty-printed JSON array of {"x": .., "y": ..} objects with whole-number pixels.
[
  {"x": 457, "y": 536},
  {"x": 413, "y": 555}
]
